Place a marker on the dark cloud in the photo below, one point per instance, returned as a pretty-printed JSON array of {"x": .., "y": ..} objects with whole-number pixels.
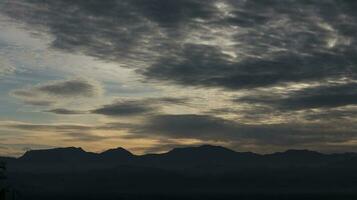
[
  {"x": 137, "y": 107},
  {"x": 124, "y": 108},
  {"x": 69, "y": 88},
  {"x": 48, "y": 127},
  {"x": 63, "y": 111},
  {"x": 39, "y": 102},
  {"x": 333, "y": 115},
  {"x": 203, "y": 65},
  {"x": 174, "y": 13},
  {"x": 318, "y": 101},
  {"x": 279, "y": 43},
  {"x": 167, "y": 100},
  {"x": 224, "y": 44},
  {"x": 324, "y": 96},
  {"x": 188, "y": 126},
  {"x": 113, "y": 30},
  {"x": 48, "y": 93},
  {"x": 274, "y": 42},
  {"x": 64, "y": 88},
  {"x": 209, "y": 128}
]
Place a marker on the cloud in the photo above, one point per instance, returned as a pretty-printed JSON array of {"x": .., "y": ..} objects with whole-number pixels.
[
  {"x": 209, "y": 128},
  {"x": 322, "y": 96},
  {"x": 69, "y": 132},
  {"x": 175, "y": 12},
  {"x": 137, "y": 107},
  {"x": 124, "y": 108},
  {"x": 167, "y": 100},
  {"x": 249, "y": 47},
  {"x": 219, "y": 43},
  {"x": 47, "y": 127},
  {"x": 334, "y": 115},
  {"x": 61, "y": 128},
  {"x": 207, "y": 66},
  {"x": 63, "y": 111},
  {"x": 69, "y": 88},
  {"x": 24, "y": 93},
  {"x": 48, "y": 93},
  {"x": 187, "y": 126},
  {"x": 35, "y": 102},
  {"x": 84, "y": 137}
]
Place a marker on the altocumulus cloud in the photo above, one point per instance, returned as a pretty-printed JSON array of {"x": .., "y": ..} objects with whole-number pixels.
[
  {"x": 123, "y": 108},
  {"x": 216, "y": 43},
  {"x": 137, "y": 107},
  {"x": 127, "y": 107},
  {"x": 322, "y": 96},
  {"x": 64, "y": 111},
  {"x": 226, "y": 44},
  {"x": 69, "y": 88},
  {"x": 46, "y": 94}
]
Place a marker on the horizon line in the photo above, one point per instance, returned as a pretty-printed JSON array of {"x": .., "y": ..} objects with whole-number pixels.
[{"x": 180, "y": 147}]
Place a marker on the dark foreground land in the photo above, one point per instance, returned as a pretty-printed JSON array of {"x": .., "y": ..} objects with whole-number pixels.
[
  {"x": 206, "y": 172},
  {"x": 204, "y": 197}
]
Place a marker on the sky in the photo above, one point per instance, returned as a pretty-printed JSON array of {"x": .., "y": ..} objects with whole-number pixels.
[{"x": 150, "y": 75}]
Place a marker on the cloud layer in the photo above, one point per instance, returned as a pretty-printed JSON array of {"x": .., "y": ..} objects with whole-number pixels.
[
  {"x": 227, "y": 44},
  {"x": 48, "y": 93},
  {"x": 205, "y": 128},
  {"x": 283, "y": 72},
  {"x": 69, "y": 88}
]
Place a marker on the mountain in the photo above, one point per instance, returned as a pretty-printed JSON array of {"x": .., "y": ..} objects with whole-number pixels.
[
  {"x": 201, "y": 152},
  {"x": 117, "y": 152},
  {"x": 56, "y": 155},
  {"x": 295, "y": 157},
  {"x": 205, "y": 170},
  {"x": 6, "y": 159},
  {"x": 185, "y": 157},
  {"x": 201, "y": 158},
  {"x": 116, "y": 155},
  {"x": 298, "y": 154}
]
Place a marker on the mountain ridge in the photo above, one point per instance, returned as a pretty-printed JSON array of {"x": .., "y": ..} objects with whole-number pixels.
[
  {"x": 189, "y": 170},
  {"x": 194, "y": 148},
  {"x": 210, "y": 156}
]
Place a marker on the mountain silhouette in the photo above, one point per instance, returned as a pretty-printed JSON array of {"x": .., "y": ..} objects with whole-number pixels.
[
  {"x": 208, "y": 170},
  {"x": 117, "y": 152},
  {"x": 200, "y": 153},
  {"x": 116, "y": 155},
  {"x": 57, "y": 155},
  {"x": 298, "y": 154},
  {"x": 205, "y": 155}
]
